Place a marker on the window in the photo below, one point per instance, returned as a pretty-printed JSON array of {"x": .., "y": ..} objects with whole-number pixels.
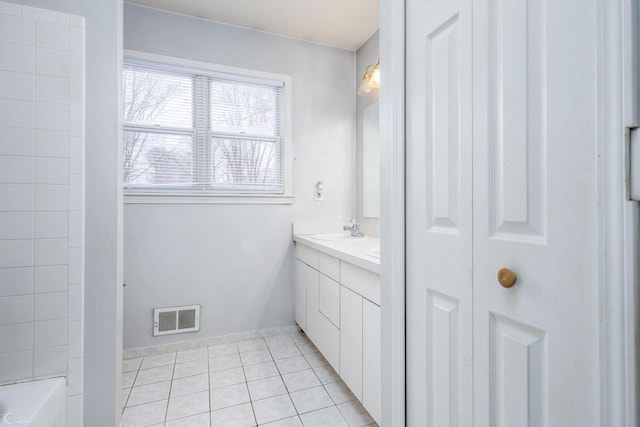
[{"x": 198, "y": 131}]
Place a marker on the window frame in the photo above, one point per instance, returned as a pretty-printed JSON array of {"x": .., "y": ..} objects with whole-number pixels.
[{"x": 180, "y": 65}]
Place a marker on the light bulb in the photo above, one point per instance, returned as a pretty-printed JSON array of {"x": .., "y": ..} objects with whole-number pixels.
[
  {"x": 374, "y": 81},
  {"x": 365, "y": 87}
]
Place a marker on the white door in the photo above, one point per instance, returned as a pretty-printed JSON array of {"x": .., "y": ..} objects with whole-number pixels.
[
  {"x": 439, "y": 246},
  {"x": 534, "y": 179},
  {"x": 503, "y": 178}
]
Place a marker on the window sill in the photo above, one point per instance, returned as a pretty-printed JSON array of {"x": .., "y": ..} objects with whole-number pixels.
[{"x": 207, "y": 199}]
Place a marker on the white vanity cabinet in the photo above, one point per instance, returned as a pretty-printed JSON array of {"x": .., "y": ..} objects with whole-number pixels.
[
  {"x": 318, "y": 301},
  {"x": 338, "y": 307}
]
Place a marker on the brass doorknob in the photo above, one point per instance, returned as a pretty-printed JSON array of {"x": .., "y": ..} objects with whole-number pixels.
[{"x": 507, "y": 278}]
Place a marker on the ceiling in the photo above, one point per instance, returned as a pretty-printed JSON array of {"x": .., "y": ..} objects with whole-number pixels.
[{"x": 345, "y": 24}]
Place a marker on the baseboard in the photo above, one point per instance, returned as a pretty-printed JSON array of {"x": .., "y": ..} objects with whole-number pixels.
[{"x": 203, "y": 342}]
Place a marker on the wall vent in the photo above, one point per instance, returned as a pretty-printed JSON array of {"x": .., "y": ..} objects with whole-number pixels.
[{"x": 176, "y": 320}]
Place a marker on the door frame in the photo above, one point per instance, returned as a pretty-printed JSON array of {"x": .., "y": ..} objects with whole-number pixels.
[
  {"x": 618, "y": 221},
  {"x": 392, "y": 211}
]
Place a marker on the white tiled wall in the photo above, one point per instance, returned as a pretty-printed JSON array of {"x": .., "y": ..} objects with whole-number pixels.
[{"x": 41, "y": 196}]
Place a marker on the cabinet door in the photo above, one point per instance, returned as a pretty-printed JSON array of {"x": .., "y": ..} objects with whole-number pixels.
[
  {"x": 351, "y": 340},
  {"x": 329, "y": 299},
  {"x": 327, "y": 339},
  {"x": 311, "y": 278},
  {"x": 371, "y": 365},
  {"x": 303, "y": 275}
]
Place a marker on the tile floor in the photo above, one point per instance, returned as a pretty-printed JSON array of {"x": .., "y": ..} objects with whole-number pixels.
[{"x": 278, "y": 381}]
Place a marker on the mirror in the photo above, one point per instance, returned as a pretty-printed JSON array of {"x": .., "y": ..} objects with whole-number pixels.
[{"x": 371, "y": 162}]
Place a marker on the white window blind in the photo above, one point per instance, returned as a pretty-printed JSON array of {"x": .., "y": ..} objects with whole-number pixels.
[{"x": 201, "y": 132}]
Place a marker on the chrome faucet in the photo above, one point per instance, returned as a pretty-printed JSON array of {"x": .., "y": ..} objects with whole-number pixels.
[{"x": 354, "y": 229}]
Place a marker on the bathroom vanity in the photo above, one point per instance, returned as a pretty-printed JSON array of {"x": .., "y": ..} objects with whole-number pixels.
[{"x": 338, "y": 307}]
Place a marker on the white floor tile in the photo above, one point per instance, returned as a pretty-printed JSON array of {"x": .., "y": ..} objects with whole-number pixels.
[
  {"x": 355, "y": 414},
  {"x": 149, "y": 393},
  {"x": 200, "y": 420},
  {"x": 260, "y": 371},
  {"x": 278, "y": 340},
  {"x": 158, "y": 360},
  {"x": 144, "y": 415},
  {"x": 223, "y": 349},
  {"x": 128, "y": 378},
  {"x": 154, "y": 375},
  {"x": 130, "y": 365},
  {"x": 306, "y": 347},
  {"x": 301, "y": 380},
  {"x": 222, "y": 363},
  {"x": 188, "y": 385},
  {"x": 328, "y": 417},
  {"x": 225, "y": 397},
  {"x": 299, "y": 337},
  {"x": 311, "y": 399},
  {"x": 284, "y": 351},
  {"x": 339, "y": 392},
  {"x": 257, "y": 356},
  {"x": 235, "y": 416},
  {"x": 326, "y": 374},
  {"x": 186, "y": 406},
  {"x": 316, "y": 359},
  {"x": 264, "y": 381},
  {"x": 273, "y": 409},
  {"x": 292, "y": 364},
  {"x": 188, "y": 369},
  {"x": 193, "y": 354},
  {"x": 226, "y": 378},
  {"x": 287, "y": 422},
  {"x": 268, "y": 387},
  {"x": 251, "y": 345}
]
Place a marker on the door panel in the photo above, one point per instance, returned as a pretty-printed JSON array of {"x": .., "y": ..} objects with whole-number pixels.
[
  {"x": 534, "y": 162},
  {"x": 517, "y": 119},
  {"x": 439, "y": 291},
  {"x": 443, "y": 341},
  {"x": 518, "y": 368}
]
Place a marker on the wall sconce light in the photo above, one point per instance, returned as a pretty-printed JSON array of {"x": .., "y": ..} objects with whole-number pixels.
[{"x": 370, "y": 79}]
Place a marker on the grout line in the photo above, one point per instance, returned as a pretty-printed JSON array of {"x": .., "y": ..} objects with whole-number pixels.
[
  {"x": 166, "y": 412},
  {"x": 209, "y": 384},
  {"x": 33, "y": 245}
]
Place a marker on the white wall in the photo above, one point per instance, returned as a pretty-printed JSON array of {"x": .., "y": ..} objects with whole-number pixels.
[
  {"x": 237, "y": 261},
  {"x": 41, "y": 180},
  {"x": 102, "y": 322}
]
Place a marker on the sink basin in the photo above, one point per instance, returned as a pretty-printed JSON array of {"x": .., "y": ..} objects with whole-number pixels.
[
  {"x": 375, "y": 252},
  {"x": 337, "y": 237}
]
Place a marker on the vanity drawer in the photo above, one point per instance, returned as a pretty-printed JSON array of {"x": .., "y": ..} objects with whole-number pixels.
[
  {"x": 307, "y": 255},
  {"x": 329, "y": 299},
  {"x": 361, "y": 281},
  {"x": 329, "y": 266}
]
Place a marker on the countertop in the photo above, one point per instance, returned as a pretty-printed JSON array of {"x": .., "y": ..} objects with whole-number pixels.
[{"x": 352, "y": 251}]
